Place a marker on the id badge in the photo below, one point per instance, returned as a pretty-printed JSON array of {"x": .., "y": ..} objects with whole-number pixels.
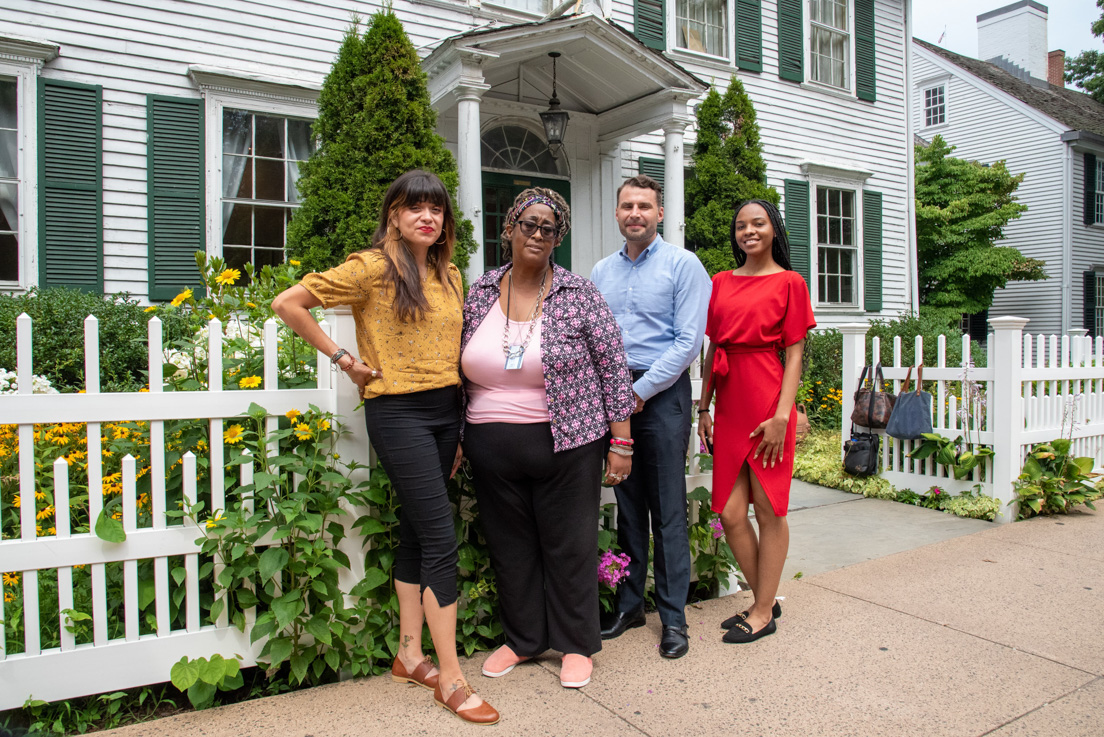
[{"x": 513, "y": 358}]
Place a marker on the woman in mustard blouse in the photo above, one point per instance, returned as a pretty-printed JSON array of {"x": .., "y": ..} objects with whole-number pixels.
[{"x": 407, "y": 301}]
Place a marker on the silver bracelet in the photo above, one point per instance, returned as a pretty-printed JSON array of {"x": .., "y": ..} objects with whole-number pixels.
[{"x": 621, "y": 451}]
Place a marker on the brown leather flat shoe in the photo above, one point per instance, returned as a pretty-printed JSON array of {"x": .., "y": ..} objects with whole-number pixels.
[
  {"x": 484, "y": 714},
  {"x": 420, "y": 676}
]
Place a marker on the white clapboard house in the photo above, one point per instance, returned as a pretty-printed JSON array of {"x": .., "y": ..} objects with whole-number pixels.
[
  {"x": 1012, "y": 104},
  {"x": 133, "y": 133}
]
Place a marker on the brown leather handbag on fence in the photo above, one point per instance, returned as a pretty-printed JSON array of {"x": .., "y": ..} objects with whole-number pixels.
[
  {"x": 802, "y": 428},
  {"x": 873, "y": 406}
]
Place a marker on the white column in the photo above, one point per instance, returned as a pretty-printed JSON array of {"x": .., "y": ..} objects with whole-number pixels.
[
  {"x": 1006, "y": 411},
  {"x": 470, "y": 194},
  {"x": 611, "y": 239},
  {"x": 674, "y": 215},
  {"x": 854, "y": 358}
]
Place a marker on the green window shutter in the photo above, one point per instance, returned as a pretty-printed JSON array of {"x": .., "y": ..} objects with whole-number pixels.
[
  {"x": 1089, "y": 175},
  {"x": 749, "y": 35},
  {"x": 177, "y": 227},
  {"x": 864, "y": 50},
  {"x": 797, "y": 225},
  {"x": 650, "y": 23},
  {"x": 791, "y": 41},
  {"x": 70, "y": 182},
  {"x": 1088, "y": 299},
  {"x": 655, "y": 168},
  {"x": 872, "y": 250}
]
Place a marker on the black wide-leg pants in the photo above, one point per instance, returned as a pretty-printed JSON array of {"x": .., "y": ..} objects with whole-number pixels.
[
  {"x": 415, "y": 436},
  {"x": 539, "y": 511}
]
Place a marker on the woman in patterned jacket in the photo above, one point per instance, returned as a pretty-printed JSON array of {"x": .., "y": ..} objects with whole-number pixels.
[{"x": 549, "y": 396}]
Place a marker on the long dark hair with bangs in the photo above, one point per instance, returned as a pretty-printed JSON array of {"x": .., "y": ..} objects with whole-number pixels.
[
  {"x": 413, "y": 188},
  {"x": 780, "y": 247}
]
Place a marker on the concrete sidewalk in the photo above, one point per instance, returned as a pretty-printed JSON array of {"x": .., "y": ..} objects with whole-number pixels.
[{"x": 906, "y": 621}]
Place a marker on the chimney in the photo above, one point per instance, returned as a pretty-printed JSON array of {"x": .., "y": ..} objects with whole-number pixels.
[
  {"x": 1018, "y": 34},
  {"x": 1056, "y": 68}
]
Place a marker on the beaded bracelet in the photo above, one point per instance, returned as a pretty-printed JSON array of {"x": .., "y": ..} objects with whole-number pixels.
[{"x": 626, "y": 442}]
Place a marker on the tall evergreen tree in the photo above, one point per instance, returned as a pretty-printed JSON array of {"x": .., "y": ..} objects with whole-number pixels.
[
  {"x": 374, "y": 123},
  {"x": 728, "y": 169},
  {"x": 961, "y": 210}
]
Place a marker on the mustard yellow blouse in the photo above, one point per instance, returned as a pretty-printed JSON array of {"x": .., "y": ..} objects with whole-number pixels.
[{"x": 411, "y": 356}]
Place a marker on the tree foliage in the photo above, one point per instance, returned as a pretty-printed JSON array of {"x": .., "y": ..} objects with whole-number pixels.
[
  {"x": 728, "y": 169},
  {"x": 1086, "y": 70},
  {"x": 961, "y": 210},
  {"x": 375, "y": 122}
]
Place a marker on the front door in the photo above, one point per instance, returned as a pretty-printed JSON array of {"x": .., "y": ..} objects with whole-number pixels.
[{"x": 499, "y": 191}]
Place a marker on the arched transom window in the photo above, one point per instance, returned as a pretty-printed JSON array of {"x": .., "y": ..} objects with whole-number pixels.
[{"x": 516, "y": 148}]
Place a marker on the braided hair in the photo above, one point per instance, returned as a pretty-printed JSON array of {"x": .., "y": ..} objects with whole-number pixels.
[{"x": 780, "y": 247}]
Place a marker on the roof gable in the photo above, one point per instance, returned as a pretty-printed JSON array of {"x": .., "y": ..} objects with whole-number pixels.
[{"x": 1074, "y": 109}]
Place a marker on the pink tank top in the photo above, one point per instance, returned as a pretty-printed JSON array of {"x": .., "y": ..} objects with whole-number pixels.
[{"x": 495, "y": 394}]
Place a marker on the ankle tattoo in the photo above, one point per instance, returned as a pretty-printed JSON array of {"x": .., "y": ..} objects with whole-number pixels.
[{"x": 406, "y": 640}]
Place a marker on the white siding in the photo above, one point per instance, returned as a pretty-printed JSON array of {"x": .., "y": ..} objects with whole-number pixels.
[
  {"x": 134, "y": 49},
  {"x": 799, "y": 122},
  {"x": 985, "y": 125}
]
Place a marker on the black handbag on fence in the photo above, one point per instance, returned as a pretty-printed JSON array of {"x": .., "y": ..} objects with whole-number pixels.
[
  {"x": 873, "y": 406},
  {"x": 860, "y": 453},
  {"x": 912, "y": 412}
]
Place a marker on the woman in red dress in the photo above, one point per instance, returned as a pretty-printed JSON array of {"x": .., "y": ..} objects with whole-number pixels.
[{"x": 755, "y": 312}]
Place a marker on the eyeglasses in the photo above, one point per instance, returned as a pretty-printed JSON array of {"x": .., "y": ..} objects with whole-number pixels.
[{"x": 528, "y": 228}]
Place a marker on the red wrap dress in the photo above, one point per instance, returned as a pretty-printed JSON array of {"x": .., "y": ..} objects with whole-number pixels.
[{"x": 751, "y": 319}]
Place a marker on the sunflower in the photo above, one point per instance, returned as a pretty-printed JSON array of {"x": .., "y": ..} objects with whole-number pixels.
[
  {"x": 250, "y": 382},
  {"x": 291, "y": 414},
  {"x": 151, "y": 308},
  {"x": 303, "y": 431},
  {"x": 233, "y": 434},
  {"x": 228, "y": 277}
]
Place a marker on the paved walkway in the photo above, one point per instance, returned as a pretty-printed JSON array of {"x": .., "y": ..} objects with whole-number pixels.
[{"x": 906, "y": 621}]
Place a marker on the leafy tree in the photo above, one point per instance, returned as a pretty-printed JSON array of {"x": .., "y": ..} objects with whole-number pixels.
[
  {"x": 374, "y": 123},
  {"x": 961, "y": 210},
  {"x": 728, "y": 169},
  {"x": 1086, "y": 70}
]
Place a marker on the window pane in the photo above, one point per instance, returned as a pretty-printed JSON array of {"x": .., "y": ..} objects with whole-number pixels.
[
  {"x": 270, "y": 180},
  {"x": 8, "y": 103},
  {"x": 238, "y": 225},
  {"x": 237, "y": 177},
  {"x": 9, "y": 206},
  {"x": 267, "y": 257},
  {"x": 237, "y": 131},
  {"x": 269, "y": 225},
  {"x": 292, "y": 178},
  {"x": 822, "y": 201},
  {"x": 236, "y": 258},
  {"x": 270, "y": 136},
  {"x": 9, "y": 148},
  {"x": 300, "y": 141},
  {"x": 9, "y": 258}
]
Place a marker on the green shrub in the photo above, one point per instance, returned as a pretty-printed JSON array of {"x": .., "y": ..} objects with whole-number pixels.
[{"x": 57, "y": 316}]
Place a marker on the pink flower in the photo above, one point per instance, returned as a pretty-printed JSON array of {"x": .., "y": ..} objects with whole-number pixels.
[
  {"x": 612, "y": 568},
  {"x": 715, "y": 525}
]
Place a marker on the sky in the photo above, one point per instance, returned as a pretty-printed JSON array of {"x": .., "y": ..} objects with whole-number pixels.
[{"x": 1068, "y": 23}]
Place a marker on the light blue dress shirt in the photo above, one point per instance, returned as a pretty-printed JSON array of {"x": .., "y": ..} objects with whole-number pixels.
[{"x": 660, "y": 301}]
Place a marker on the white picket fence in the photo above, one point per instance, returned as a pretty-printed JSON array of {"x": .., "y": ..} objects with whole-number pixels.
[
  {"x": 106, "y": 663},
  {"x": 1033, "y": 389}
]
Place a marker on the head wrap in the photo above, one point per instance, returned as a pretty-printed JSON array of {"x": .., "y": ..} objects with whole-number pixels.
[{"x": 562, "y": 223}]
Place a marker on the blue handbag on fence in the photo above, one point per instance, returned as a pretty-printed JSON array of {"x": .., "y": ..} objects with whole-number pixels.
[{"x": 912, "y": 412}]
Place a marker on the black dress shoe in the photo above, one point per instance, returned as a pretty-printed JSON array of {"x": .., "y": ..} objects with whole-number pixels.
[
  {"x": 776, "y": 612},
  {"x": 615, "y": 623},
  {"x": 675, "y": 643}
]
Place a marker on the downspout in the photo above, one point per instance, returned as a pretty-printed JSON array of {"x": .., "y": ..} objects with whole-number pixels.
[
  {"x": 1067, "y": 237},
  {"x": 913, "y": 287}
]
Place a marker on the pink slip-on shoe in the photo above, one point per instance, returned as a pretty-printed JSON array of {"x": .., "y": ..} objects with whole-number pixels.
[
  {"x": 501, "y": 662},
  {"x": 575, "y": 671}
]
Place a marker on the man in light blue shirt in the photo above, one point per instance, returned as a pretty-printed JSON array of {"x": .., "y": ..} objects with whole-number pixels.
[{"x": 659, "y": 294}]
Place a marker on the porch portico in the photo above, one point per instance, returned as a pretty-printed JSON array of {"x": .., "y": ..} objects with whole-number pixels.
[{"x": 614, "y": 88}]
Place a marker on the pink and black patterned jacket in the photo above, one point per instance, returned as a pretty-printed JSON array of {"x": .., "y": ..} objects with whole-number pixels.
[{"x": 586, "y": 375}]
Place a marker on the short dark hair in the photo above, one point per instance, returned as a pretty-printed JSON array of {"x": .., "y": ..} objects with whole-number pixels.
[{"x": 643, "y": 181}]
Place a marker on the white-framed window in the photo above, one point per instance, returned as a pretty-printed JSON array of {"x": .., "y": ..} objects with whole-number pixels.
[
  {"x": 831, "y": 43},
  {"x": 1099, "y": 195},
  {"x": 258, "y": 134},
  {"x": 702, "y": 26},
  {"x": 935, "y": 105},
  {"x": 261, "y": 155},
  {"x": 836, "y": 246},
  {"x": 20, "y": 62}
]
